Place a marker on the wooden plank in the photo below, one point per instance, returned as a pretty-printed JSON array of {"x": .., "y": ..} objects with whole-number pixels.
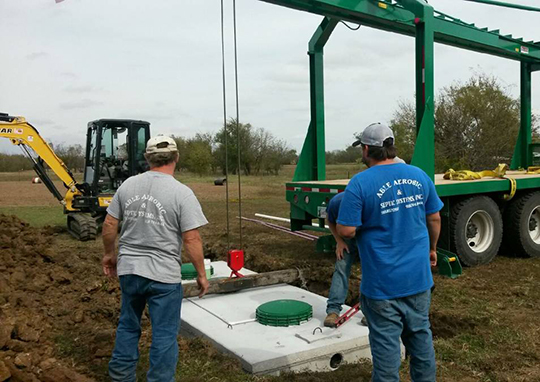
[{"x": 250, "y": 281}]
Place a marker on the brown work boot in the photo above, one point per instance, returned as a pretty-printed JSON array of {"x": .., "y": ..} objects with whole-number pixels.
[
  {"x": 364, "y": 321},
  {"x": 331, "y": 319}
]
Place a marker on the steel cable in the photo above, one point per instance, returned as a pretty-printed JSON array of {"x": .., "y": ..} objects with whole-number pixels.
[{"x": 226, "y": 133}]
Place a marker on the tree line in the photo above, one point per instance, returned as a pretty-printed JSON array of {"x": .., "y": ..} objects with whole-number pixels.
[
  {"x": 261, "y": 153},
  {"x": 71, "y": 155}
]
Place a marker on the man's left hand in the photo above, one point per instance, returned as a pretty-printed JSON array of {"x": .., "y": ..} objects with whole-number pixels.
[
  {"x": 433, "y": 258},
  {"x": 109, "y": 265},
  {"x": 340, "y": 247}
]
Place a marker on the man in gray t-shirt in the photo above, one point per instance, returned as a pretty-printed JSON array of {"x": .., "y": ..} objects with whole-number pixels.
[{"x": 159, "y": 215}]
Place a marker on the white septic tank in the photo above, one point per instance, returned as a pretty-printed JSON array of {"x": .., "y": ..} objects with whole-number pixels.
[{"x": 229, "y": 321}]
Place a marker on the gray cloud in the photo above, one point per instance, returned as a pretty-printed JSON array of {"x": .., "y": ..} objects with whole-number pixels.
[
  {"x": 58, "y": 127},
  {"x": 42, "y": 122},
  {"x": 82, "y": 89},
  {"x": 68, "y": 75},
  {"x": 36, "y": 55},
  {"x": 82, "y": 104}
]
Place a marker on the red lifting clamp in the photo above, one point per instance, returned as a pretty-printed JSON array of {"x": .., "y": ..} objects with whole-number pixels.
[
  {"x": 347, "y": 315},
  {"x": 235, "y": 261}
]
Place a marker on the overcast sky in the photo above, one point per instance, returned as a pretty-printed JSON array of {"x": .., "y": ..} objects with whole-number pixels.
[{"x": 65, "y": 64}]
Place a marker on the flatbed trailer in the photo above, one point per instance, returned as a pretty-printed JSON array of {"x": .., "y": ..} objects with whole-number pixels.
[{"x": 475, "y": 213}]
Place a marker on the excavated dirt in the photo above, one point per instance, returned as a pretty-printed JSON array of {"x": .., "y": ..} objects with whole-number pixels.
[{"x": 40, "y": 298}]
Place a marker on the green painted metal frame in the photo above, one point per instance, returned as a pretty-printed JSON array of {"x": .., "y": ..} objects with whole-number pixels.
[
  {"x": 312, "y": 162},
  {"x": 413, "y": 18}
]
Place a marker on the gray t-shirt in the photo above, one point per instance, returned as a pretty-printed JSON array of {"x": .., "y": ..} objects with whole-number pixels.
[{"x": 155, "y": 209}]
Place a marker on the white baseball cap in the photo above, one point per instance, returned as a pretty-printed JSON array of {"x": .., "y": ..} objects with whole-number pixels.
[
  {"x": 375, "y": 135},
  {"x": 161, "y": 144}
]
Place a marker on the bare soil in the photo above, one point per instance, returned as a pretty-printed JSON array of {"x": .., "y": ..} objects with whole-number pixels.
[{"x": 12, "y": 194}]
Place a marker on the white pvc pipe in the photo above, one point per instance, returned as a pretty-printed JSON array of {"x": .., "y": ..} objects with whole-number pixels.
[
  {"x": 278, "y": 218},
  {"x": 273, "y": 218}
]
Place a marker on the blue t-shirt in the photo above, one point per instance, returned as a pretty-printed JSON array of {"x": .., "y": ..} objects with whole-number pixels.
[
  {"x": 388, "y": 205},
  {"x": 332, "y": 211}
]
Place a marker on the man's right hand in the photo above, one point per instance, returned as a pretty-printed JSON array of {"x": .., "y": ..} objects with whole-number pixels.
[
  {"x": 109, "y": 265},
  {"x": 433, "y": 258},
  {"x": 203, "y": 284},
  {"x": 340, "y": 247}
]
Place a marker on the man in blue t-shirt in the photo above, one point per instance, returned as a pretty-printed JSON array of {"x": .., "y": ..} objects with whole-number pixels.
[
  {"x": 346, "y": 254},
  {"x": 393, "y": 211}
]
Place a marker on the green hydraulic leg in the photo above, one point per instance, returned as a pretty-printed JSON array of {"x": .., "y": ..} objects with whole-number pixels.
[
  {"x": 521, "y": 157},
  {"x": 424, "y": 149},
  {"x": 312, "y": 162}
]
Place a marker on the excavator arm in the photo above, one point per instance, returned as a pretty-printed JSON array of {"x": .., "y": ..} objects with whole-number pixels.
[{"x": 23, "y": 134}]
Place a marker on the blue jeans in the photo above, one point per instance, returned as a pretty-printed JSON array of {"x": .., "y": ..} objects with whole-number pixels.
[
  {"x": 405, "y": 317},
  {"x": 164, "y": 303},
  {"x": 340, "y": 279}
]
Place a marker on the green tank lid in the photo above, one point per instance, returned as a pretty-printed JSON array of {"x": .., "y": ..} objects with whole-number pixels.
[
  {"x": 189, "y": 272},
  {"x": 284, "y": 313}
]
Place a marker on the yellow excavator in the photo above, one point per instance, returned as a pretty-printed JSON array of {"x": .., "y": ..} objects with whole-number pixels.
[{"x": 114, "y": 151}]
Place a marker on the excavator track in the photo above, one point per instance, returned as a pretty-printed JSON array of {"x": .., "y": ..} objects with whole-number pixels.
[{"x": 82, "y": 226}]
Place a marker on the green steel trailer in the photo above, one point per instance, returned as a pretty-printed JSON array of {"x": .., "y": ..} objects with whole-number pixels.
[{"x": 475, "y": 213}]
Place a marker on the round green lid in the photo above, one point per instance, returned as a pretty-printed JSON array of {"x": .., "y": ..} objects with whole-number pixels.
[{"x": 284, "y": 313}]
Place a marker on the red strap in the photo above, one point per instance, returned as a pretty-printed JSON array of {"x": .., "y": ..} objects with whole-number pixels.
[{"x": 347, "y": 315}]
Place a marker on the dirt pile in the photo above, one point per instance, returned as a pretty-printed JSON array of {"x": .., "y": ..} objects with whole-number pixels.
[{"x": 39, "y": 292}]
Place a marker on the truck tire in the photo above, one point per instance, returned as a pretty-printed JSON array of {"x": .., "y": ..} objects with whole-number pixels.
[
  {"x": 476, "y": 230},
  {"x": 522, "y": 225}
]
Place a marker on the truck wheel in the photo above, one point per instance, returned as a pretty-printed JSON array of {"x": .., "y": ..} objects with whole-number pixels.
[
  {"x": 476, "y": 230},
  {"x": 522, "y": 225}
]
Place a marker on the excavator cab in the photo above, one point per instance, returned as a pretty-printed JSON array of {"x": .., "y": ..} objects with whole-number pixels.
[{"x": 114, "y": 151}]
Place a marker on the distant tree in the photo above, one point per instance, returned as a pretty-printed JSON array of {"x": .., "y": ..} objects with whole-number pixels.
[
  {"x": 260, "y": 151},
  {"x": 71, "y": 155},
  {"x": 348, "y": 155},
  {"x": 290, "y": 157},
  {"x": 198, "y": 157},
  {"x": 404, "y": 126},
  {"x": 231, "y": 132},
  {"x": 181, "y": 145},
  {"x": 476, "y": 125}
]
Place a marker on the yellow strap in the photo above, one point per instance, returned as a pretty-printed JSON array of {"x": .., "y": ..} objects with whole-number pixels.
[
  {"x": 513, "y": 189},
  {"x": 498, "y": 172},
  {"x": 533, "y": 170}
]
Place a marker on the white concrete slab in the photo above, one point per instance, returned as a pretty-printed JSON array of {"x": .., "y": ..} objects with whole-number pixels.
[{"x": 229, "y": 322}]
